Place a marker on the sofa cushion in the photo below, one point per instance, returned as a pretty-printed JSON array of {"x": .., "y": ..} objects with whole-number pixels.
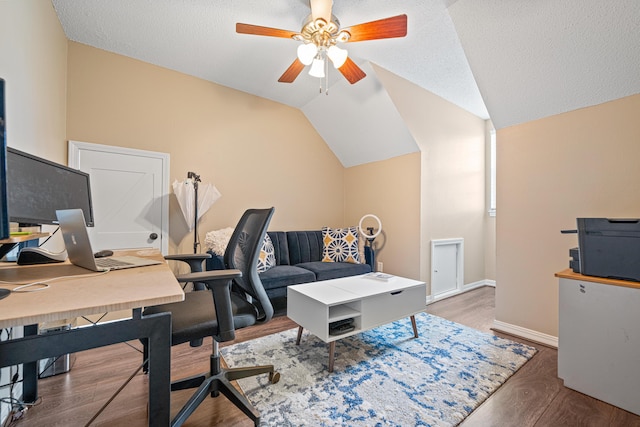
[
  {"x": 285, "y": 275},
  {"x": 280, "y": 247},
  {"x": 334, "y": 270},
  {"x": 340, "y": 245},
  {"x": 304, "y": 246}
]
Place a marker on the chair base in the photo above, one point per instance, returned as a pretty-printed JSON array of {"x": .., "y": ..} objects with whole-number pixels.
[{"x": 219, "y": 381}]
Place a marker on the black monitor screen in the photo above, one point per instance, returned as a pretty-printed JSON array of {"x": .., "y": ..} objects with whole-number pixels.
[
  {"x": 38, "y": 187},
  {"x": 4, "y": 218}
]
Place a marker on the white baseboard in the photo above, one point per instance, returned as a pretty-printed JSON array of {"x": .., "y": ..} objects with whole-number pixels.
[
  {"x": 480, "y": 283},
  {"x": 528, "y": 334},
  {"x": 488, "y": 282},
  {"x": 465, "y": 288}
]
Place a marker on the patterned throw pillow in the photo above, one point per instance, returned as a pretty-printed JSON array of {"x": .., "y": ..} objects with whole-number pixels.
[
  {"x": 267, "y": 257},
  {"x": 340, "y": 245}
]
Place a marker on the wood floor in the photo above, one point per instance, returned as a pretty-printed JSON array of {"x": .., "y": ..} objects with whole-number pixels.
[{"x": 534, "y": 396}]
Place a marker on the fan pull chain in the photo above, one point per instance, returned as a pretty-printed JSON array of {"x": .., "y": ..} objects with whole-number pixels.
[{"x": 326, "y": 76}]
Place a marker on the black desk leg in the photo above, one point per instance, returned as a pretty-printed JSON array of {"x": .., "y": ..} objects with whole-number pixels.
[
  {"x": 159, "y": 371},
  {"x": 30, "y": 372}
]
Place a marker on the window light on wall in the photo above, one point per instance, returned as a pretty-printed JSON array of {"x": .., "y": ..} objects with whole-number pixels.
[{"x": 492, "y": 171}]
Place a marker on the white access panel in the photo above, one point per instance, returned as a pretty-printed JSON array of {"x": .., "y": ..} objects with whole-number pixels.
[
  {"x": 447, "y": 267},
  {"x": 599, "y": 341}
]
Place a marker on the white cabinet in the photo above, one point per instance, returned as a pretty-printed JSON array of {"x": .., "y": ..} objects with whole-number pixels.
[{"x": 599, "y": 339}]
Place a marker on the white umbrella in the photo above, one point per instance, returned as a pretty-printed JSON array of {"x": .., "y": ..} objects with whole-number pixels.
[{"x": 208, "y": 194}]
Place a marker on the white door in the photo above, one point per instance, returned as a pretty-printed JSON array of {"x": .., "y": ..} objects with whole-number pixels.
[
  {"x": 129, "y": 191},
  {"x": 446, "y": 267}
]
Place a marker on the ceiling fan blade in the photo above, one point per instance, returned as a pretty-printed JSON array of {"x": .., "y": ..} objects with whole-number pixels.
[
  {"x": 321, "y": 9},
  {"x": 257, "y": 30},
  {"x": 351, "y": 71},
  {"x": 292, "y": 72},
  {"x": 395, "y": 26}
]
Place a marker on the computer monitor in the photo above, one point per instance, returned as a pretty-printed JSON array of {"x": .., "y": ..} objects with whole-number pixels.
[
  {"x": 4, "y": 214},
  {"x": 37, "y": 188}
]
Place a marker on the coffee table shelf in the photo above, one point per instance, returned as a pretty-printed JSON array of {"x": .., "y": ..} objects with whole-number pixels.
[{"x": 342, "y": 311}]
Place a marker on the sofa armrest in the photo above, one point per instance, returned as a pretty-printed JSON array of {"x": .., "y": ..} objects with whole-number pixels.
[
  {"x": 370, "y": 257},
  {"x": 216, "y": 262}
]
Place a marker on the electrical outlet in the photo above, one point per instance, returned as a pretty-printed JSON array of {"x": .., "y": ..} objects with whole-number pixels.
[{"x": 379, "y": 269}]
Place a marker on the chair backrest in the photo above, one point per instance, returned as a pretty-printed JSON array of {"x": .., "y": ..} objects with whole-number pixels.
[{"x": 242, "y": 254}]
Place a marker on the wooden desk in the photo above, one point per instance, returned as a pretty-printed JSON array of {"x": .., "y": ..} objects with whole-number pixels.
[{"x": 77, "y": 296}]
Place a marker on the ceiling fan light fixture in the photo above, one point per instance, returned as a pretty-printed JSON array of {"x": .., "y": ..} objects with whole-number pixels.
[
  {"x": 337, "y": 55},
  {"x": 320, "y": 33},
  {"x": 307, "y": 52},
  {"x": 317, "y": 68}
]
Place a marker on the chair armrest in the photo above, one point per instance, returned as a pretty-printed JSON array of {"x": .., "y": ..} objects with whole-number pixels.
[
  {"x": 195, "y": 265},
  {"x": 207, "y": 276},
  {"x": 185, "y": 257}
]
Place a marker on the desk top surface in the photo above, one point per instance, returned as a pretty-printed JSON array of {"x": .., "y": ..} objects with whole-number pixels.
[
  {"x": 84, "y": 292},
  {"x": 569, "y": 274}
]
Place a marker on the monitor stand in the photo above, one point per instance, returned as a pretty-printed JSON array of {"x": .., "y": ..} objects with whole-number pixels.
[{"x": 4, "y": 293}]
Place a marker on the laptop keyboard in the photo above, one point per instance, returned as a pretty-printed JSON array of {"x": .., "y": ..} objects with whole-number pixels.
[{"x": 110, "y": 262}]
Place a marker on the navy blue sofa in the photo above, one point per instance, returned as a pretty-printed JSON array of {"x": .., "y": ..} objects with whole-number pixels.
[{"x": 299, "y": 260}]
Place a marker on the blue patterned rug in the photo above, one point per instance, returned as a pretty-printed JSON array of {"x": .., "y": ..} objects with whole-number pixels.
[{"x": 383, "y": 377}]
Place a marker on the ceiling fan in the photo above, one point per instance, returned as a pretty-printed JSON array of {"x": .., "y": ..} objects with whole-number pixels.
[{"x": 320, "y": 35}]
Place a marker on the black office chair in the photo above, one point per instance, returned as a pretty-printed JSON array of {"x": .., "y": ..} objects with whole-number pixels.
[{"x": 236, "y": 300}]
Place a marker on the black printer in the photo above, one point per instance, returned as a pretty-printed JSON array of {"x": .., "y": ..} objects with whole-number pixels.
[{"x": 607, "y": 248}]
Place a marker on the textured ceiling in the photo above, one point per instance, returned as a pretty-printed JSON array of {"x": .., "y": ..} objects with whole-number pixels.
[
  {"x": 534, "y": 59},
  {"x": 530, "y": 59}
]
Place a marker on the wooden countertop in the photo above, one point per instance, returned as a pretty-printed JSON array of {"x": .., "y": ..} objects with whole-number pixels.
[
  {"x": 569, "y": 274},
  {"x": 83, "y": 292}
]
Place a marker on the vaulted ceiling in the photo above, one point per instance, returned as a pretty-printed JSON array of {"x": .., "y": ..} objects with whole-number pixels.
[{"x": 511, "y": 61}]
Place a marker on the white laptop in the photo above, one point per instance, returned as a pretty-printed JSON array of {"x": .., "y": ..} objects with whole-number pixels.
[{"x": 78, "y": 245}]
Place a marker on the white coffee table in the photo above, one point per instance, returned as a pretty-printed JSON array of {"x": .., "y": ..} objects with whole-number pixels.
[{"x": 369, "y": 302}]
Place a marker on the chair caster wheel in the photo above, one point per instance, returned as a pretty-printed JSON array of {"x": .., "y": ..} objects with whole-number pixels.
[{"x": 274, "y": 377}]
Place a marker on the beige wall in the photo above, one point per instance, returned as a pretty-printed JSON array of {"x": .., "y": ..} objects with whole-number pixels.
[
  {"x": 33, "y": 63},
  {"x": 452, "y": 187},
  {"x": 389, "y": 189},
  {"x": 579, "y": 164},
  {"x": 258, "y": 153}
]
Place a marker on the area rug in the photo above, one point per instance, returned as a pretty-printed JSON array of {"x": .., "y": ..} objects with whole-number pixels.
[{"x": 382, "y": 377}]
